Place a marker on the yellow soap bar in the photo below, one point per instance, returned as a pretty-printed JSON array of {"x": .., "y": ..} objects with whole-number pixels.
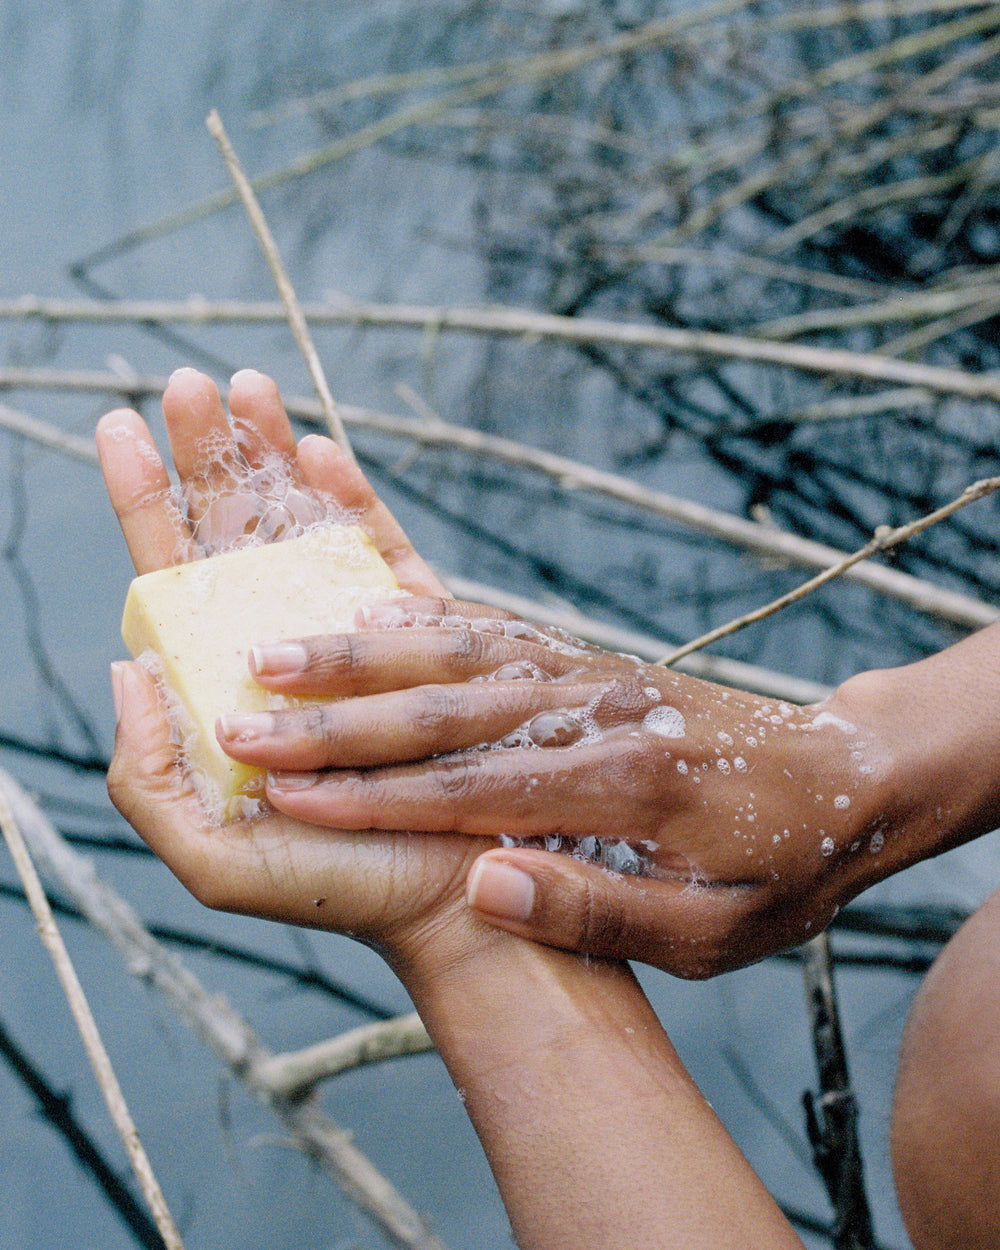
[{"x": 200, "y": 620}]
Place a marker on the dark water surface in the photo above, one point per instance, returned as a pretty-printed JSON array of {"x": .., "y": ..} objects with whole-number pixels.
[{"x": 101, "y": 130}]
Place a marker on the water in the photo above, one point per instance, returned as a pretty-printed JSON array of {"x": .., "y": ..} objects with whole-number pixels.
[{"x": 101, "y": 130}]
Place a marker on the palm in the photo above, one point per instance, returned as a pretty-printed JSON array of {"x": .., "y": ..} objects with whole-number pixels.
[{"x": 372, "y": 885}]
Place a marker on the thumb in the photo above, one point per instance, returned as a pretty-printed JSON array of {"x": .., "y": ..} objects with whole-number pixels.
[{"x": 684, "y": 928}]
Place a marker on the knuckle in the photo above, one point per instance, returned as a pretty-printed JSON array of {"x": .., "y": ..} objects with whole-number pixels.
[
  {"x": 432, "y": 708},
  {"x": 456, "y": 778},
  {"x": 320, "y": 724},
  {"x": 467, "y": 649},
  {"x": 603, "y": 923},
  {"x": 335, "y": 655}
]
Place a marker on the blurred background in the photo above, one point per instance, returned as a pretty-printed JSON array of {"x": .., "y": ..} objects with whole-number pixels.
[{"x": 491, "y": 210}]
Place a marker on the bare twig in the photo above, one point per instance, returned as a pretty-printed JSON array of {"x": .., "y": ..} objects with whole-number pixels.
[
  {"x": 292, "y": 1074},
  {"x": 883, "y": 540},
  {"x": 218, "y": 1024},
  {"x": 85, "y": 1022},
  {"x": 293, "y": 310},
  {"x": 531, "y": 326},
  {"x": 831, "y": 1118},
  {"x": 572, "y": 475},
  {"x": 47, "y": 435}
]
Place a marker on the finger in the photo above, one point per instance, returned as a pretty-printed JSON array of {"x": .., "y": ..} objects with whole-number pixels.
[
  {"x": 375, "y": 662},
  {"x": 326, "y": 468},
  {"x": 272, "y": 867},
  {"x": 688, "y": 930},
  {"x": 262, "y": 425},
  {"x": 139, "y": 489},
  {"x": 407, "y": 725},
  {"x": 485, "y": 793},
  {"x": 197, "y": 425},
  {"x": 145, "y": 781},
  {"x": 449, "y": 613}
]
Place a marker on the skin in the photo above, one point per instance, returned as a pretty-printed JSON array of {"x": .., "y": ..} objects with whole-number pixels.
[
  {"x": 559, "y": 1058},
  {"x": 896, "y": 766},
  {"x": 946, "y": 1112},
  {"x": 756, "y": 820}
]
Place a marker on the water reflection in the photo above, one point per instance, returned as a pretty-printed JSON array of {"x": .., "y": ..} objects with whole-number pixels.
[{"x": 570, "y": 192}]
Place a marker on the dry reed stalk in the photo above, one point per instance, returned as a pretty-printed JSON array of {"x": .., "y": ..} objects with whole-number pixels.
[
  {"x": 923, "y": 186},
  {"x": 293, "y": 310},
  {"x": 913, "y": 306},
  {"x": 529, "y": 325},
  {"x": 293, "y": 1074},
  {"x": 920, "y": 339},
  {"x": 100, "y": 1061},
  {"x": 572, "y": 475},
  {"x": 851, "y": 128},
  {"x": 218, "y": 1025},
  {"x": 883, "y": 540}
]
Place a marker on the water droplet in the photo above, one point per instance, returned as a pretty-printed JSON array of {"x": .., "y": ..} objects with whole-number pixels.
[
  {"x": 826, "y": 846},
  {"x": 554, "y": 729}
]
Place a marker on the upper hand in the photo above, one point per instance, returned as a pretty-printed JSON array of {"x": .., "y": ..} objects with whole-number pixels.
[{"x": 699, "y": 828}]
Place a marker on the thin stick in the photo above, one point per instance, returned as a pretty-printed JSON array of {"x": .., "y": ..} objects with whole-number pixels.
[
  {"x": 96, "y": 1052},
  {"x": 295, "y": 1073},
  {"x": 571, "y": 476},
  {"x": 883, "y": 539},
  {"x": 218, "y": 1024},
  {"x": 530, "y": 325},
  {"x": 832, "y": 1118},
  {"x": 293, "y": 309}
]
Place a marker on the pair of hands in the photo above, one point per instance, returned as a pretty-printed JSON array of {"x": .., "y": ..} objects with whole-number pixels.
[{"x": 749, "y": 821}]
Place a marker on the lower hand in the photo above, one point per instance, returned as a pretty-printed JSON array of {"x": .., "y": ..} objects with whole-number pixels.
[{"x": 238, "y": 471}]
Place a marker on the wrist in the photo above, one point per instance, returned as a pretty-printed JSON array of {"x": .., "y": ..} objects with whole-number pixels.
[{"x": 933, "y": 727}]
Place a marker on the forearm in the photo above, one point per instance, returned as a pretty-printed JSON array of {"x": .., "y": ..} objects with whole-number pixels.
[
  {"x": 935, "y": 729},
  {"x": 595, "y": 1132}
]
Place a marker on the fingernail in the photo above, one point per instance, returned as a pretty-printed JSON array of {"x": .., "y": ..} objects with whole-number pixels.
[
  {"x": 245, "y": 726},
  {"x": 292, "y": 781},
  {"x": 117, "y": 687},
  {"x": 244, "y": 375},
  {"x": 387, "y": 612},
  {"x": 278, "y": 659},
  {"x": 500, "y": 890}
]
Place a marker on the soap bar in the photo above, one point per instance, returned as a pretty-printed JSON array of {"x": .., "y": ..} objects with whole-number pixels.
[{"x": 197, "y": 622}]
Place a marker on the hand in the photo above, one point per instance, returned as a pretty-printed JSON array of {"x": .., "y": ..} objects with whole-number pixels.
[
  {"x": 516, "y": 1023},
  {"x": 700, "y": 828},
  {"x": 235, "y": 477}
]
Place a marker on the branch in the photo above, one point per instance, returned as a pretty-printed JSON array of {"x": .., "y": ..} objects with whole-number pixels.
[
  {"x": 293, "y": 1074},
  {"x": 218, "y": 1024},
  {"x": 572, "y": 475},
  {"x": 833, "y": 1131},
  {"x": 523, "y": 323},
  {"x": 883, "y": 540},
  {"x": 293, "y": 310},
  {"x": 85, "y": 1022}
]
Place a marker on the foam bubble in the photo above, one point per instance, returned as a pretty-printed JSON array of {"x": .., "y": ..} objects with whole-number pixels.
[
  {"x": 837, "y": 722},
  {"x": 666, "y": 722}
]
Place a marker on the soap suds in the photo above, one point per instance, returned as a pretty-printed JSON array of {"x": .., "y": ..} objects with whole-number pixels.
[{"x": 665, "y": 722}]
